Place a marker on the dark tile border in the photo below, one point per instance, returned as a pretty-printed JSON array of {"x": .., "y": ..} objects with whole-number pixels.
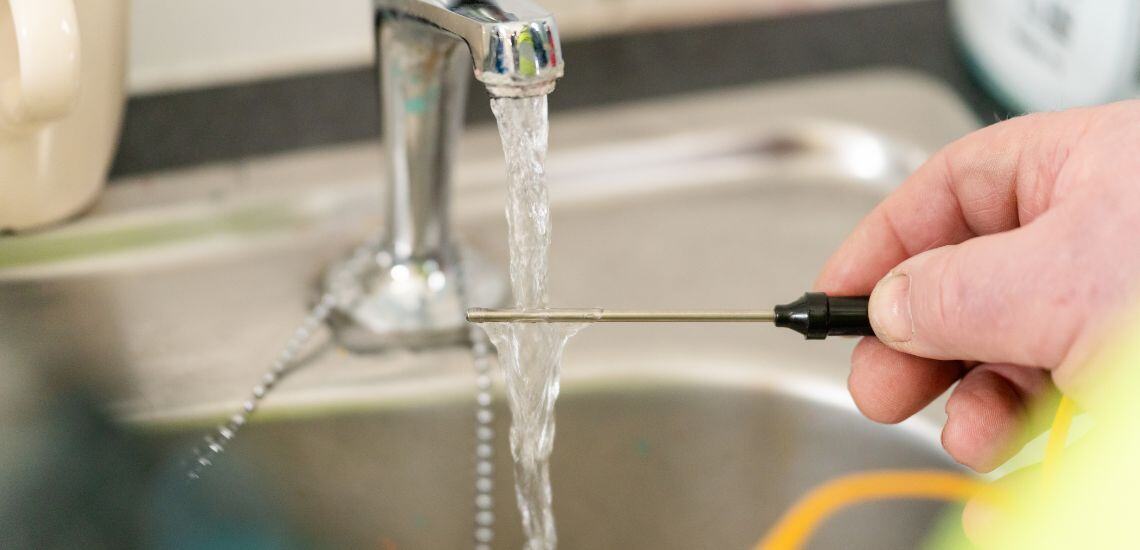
[{"x": 170, "y": 130}]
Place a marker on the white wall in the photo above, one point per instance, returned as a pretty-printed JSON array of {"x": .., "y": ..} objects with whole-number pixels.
[{"x": 177, "y": 44}]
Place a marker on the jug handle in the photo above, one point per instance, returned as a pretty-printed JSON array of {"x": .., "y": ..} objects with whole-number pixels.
[{"x": 46, "y": 81}]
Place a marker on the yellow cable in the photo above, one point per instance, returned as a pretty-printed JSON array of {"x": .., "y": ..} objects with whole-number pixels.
[
  {"x": 1058, "y": 436},
  {"x": 798, "y": 523}
]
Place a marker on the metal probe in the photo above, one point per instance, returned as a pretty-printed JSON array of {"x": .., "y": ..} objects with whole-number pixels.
[{"x": 815, "y": 315}]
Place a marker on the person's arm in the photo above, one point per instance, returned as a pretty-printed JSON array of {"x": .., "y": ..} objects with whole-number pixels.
[{"x": 996, "y": 263}]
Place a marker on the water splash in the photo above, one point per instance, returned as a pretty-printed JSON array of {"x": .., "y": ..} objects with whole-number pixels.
[{"x": 529, "y": 354}]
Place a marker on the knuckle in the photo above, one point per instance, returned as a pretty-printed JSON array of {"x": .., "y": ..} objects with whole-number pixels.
[{"x": 938, "y": 308}]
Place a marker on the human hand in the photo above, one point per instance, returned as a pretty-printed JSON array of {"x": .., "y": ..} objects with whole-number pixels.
[{"x": 1000, "y": 263}]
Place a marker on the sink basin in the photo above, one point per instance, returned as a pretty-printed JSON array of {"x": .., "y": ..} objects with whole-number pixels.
[
  {"x": 644, "y": 462},
  {"x": 178, "y": 290}
]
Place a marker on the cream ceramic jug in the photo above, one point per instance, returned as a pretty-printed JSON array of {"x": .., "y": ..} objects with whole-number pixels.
[{"x": 61, "y": 99}]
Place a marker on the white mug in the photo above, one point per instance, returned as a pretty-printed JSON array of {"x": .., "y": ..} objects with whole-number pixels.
[{"x": 61, "y": 99}]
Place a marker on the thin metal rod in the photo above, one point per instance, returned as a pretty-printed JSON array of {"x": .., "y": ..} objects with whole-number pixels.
[{"x": 597, "y": 315}]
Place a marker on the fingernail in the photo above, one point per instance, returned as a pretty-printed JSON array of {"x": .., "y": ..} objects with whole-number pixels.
[{"x": 890, "y": 309}]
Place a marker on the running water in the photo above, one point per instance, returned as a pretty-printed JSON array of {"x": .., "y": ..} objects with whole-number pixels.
[{"x": 529, "y": 353}]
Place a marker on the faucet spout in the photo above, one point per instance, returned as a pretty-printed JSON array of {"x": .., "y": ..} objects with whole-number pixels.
[{"x": 514, "y": 45}]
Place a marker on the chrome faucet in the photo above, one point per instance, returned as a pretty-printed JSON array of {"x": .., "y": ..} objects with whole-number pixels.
[{"x": 407, "y": 288}]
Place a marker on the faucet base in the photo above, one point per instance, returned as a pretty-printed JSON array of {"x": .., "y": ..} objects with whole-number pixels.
[{"x": 382, "y": 303}]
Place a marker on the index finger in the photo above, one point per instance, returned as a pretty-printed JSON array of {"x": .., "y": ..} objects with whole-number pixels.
[{"x": 989, "y": 181}]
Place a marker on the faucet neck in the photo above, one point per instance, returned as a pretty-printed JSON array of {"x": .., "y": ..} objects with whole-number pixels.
[
  {"x": 423, "y": 53},
  {"x": 423, "y": 78}
]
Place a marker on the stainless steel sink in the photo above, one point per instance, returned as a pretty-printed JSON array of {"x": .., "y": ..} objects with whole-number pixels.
[
  {"x": 645, "y": 462},
  {"x": 175, "y": 294}
]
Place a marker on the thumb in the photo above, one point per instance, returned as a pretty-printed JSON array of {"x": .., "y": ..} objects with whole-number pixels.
[{"x": 1010, "y": 297}]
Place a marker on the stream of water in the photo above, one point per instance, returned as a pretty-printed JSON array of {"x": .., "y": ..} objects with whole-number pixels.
[{"x": 530, "y": 354}]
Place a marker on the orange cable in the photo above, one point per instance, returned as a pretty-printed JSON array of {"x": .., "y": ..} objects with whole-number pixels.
[
  {"x": 798, "y": 523},
  {"x": 804, "y": 517}
]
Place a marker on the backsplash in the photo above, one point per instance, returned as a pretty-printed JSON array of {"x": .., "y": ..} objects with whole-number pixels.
[
  {"x": 184, "y": 44},
  {"x": 288, "y": 106}
]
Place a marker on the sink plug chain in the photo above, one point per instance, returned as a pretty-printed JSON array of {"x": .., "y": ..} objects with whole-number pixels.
[
  {"x": 484, "y": 441},
  {"x": 215, "y": 443},
  {"x": 484, "y": 425}
]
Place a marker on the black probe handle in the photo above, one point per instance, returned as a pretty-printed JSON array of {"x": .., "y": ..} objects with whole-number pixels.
[{"x": 817, "y": 316}]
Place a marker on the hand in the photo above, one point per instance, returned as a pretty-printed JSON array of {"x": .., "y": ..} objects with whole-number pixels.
[{"x": 999, "y": 263}]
